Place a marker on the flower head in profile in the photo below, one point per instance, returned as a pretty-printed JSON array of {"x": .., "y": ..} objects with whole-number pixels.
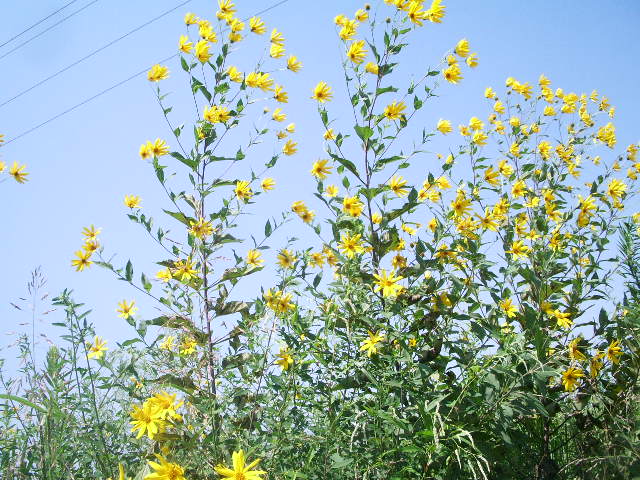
[
  {"x": 290, "y": 147},
  {"x": 132, "y": 201},
  {"x": 320, "y": 169},
  {"x": 97, "y": 349},
  {"x": 285, "y": 360},
  {"x": 157, "y": 73},
  {"x": 184, "y": 45},
  {"x": 571, "y": 377},
  {"x": 294, "y": 64},
  {"x": 268, "y": 184},
  {"x": 357, "y": 52},
  {"x": 257, "y": 26},
  {"x": 614, "y": 352},
  {"x": 202, "y": 51},
  {"x": 243, "y": 191},
  {"x": 240, "y": 470},
  {"x": 322, "y": 92}
]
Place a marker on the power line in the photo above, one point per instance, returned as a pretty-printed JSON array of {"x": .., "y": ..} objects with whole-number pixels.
[
  {"x": 122, "y": 82},
  {"x": 37, "y": 23},
  {"x": 95, "y": 52},
  {"x": 47, "y": 29}
]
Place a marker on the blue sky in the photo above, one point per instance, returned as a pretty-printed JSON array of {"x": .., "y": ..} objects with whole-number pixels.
[{"x": 83, "y": 164}]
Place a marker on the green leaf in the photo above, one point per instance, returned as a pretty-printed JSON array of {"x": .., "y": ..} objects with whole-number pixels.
[
  {"x": 187, "y": 161},
  {"x": 349, "y": 165},
  {"x": 182, "y": 218},
  {"x": 363, "y": 132},
  {"x": 23, "y": 401},
  {"x": 145, "y": 282},
  {"x": 380, "y": 91},
  {"x": 128, "y": 271},
  {"x": 268, "y": 229}
]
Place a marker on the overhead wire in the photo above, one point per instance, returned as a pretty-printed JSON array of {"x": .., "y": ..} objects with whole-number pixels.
[
  {"x": 18, "y": 35},
  {"x": 26, "y": 42},
  {"x": 91, "y": 54},
  {"x": 106, "y": 90}
]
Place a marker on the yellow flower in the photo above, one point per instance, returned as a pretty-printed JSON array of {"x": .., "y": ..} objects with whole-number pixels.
[
  {"x": 157, "y": 73},
  {"x": 165, "y": 470},
  {"x": 158, "y": 148},
  {"x": 257, "y": 26},
  {"x": 285, "y": 360},
  {"x": 489, "y": 93},
  {"x": 126, "y": 309},
  {"x": 164, "y": 275},
  {"x": 370, "y": 345},
  {"x": 184, "y": 45},
  {"x": 278, "y": 115},
  {"x": 574, "y": 351},
  {"x": 98, "y": 348},
  {"x": 18, "y": 173},
  {"x": 472, "y": 60},
  {"x": 188, "y": 346},
  {"x": 371, "y": 67},
  {"x": 352, "y": 206},
  {"x": 147, "y": 419},
  {"x": 184, "y": 270},
  {"x": 235, "y": 75},
  {"x": 462, "y": 48},
  {"x": 82, "y": 261},
  {"x": 331, "y": 191},
  {"x": 388, "y": 283},
  {"x": 452, "y": 74},
  {"x": 444, "y": 126},
  {"x": 394, "y": 110},
  {"x": 351, "y": 245},
  {"x": 562, "y": 318},
  {"x": 293, "y": 64},
  {"x": 519, "y": 249},
  {"x": 276, "y": 37},
  {"x": 322, "y": 92},
  {"x": 397, "y": 184},
  {"x": 436, "y": 12},
  {"x": 276, "y": 51},
  {"x": 202, "y": 51},
  {"x": 416, "y": 14},
  {"x": 286, "y": 258},
  {"x": 479, "y": 138},
  {"x": 216, "y": 114},
  {"x": 357, "y": 52},
  {"x": 280, "y": 95},
  {"x": 361, "y": 15},
  {"x": 614, "y": 352},
  {"x": 570, "y": 378},
  {"x": 320, "y": 169},
  {"x": 243, "y": 191},
  {"x": 492, "y": 176},
  {"x": 201, "y": 229},
  {"x": 190, "y": 19},
  {"x": 329, "y": 135},
  {"x": 290, "y": 147},
  {"x": 509, "y": 308},
  {"x": 132, "y": 201},
  {"x": 268, "y": 184},
  {"x": 616, "y": 189},
  {"x": 253, "y": 258},
  {"x": 168, "y": 343},
  {"x": 240, "y": 471}
]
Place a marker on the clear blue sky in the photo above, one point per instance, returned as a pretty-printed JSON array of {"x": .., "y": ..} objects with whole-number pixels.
[{"x": 83, "y": 164}]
